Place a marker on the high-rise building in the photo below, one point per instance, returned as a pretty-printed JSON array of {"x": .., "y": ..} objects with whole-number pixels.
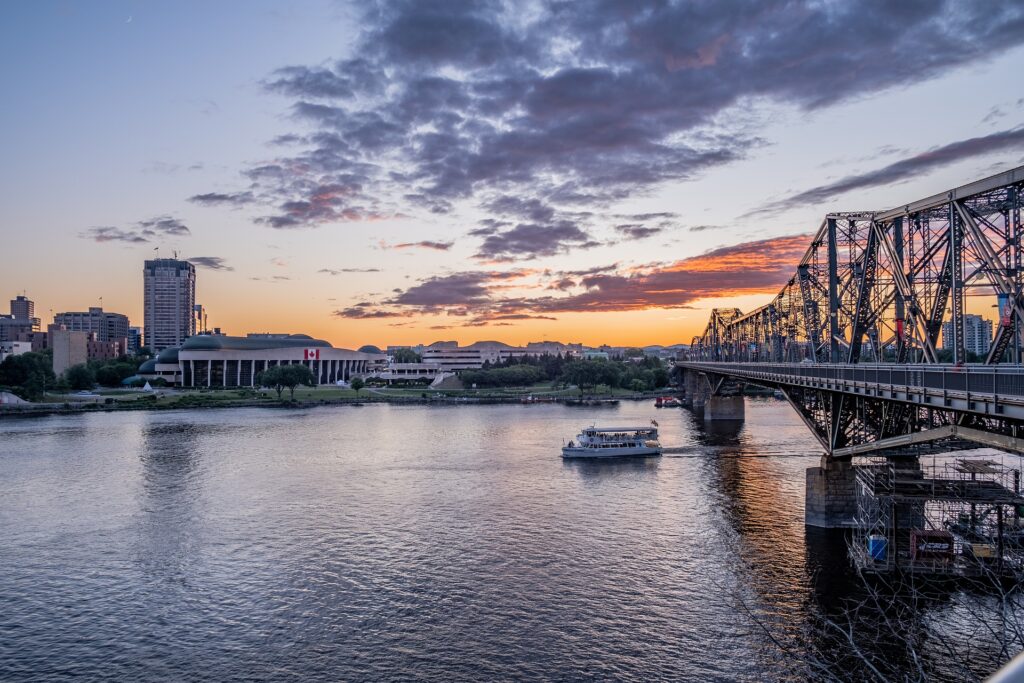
[
  {"x": 107, "y": 326},
  {"x": 22, "y": 308},
  {"x": 134, "y": 340},
  {"x": 21, "y": 320},
  {"x": 977, "y": 335},
  {"x": 169, "y": 302}
]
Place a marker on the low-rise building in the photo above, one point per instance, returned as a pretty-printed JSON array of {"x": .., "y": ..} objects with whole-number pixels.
[
  {"x": 15, "y": 348},
  {"x": 70, "y": 347},
  {"x": 12, "y": 328},
  {"x": 107, "y": 326},
  {"x": 219, "y": 361},
  {"x": 38, "y": 340},
  {"x": 398, "y": 372},
  {"x": 450, "y": 356}
]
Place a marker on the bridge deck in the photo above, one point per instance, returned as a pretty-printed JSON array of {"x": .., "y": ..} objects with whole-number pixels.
[{"x": 991, "y": 390}]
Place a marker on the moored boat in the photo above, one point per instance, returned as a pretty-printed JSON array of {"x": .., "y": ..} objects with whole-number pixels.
[{"x": 614, "y": 442}]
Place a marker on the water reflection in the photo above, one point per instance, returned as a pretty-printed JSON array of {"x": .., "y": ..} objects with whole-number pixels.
[
  {"x": 609, "y": 468},
  {"x": 399, "y": 542},
  {"x": 170, "y": 501}
]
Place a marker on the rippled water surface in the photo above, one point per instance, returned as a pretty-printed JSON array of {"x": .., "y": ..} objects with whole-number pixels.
[{"x": 390, "y": 542}]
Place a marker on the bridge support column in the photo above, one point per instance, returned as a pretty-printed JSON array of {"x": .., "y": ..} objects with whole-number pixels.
[
  {"x": 830, "y": 499},
  {"x": 723, "y": 408},
  {"x": 690, "y": 388}
]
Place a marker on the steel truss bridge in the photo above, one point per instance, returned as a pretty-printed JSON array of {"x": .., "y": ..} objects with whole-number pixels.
[{"x": 852, "y": 339}]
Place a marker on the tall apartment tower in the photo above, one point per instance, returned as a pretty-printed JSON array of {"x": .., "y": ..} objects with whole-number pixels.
[
  {"x": 170, "y": 297},
  {"x": 977, "y": 334},
  {"x": 23, "y": 308}
]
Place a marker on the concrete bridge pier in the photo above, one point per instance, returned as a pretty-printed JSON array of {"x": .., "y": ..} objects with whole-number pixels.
[
  {"x": 724, "y": 408},
  {"x": 830, "y": 500},
  {"x": 698, "y": 396},
  {"x": 689, "y": 387}
]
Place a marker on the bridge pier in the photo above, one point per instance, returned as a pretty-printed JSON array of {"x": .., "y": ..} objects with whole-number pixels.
[
  {"x": 722, "y": 408},
  {"x": 830, "y": 499},
  {"x": 714, "y": 408},
  {"x": 690, "y": 388}
]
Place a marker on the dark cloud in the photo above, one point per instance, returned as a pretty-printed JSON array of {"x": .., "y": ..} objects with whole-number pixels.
[
  {"x": 758, "y": 267},
  {"x": 365, "y": 310},
  {"x": 457, "y": 289},
  {"x": 424, "y": 244},
  {"x": 531, "y": 240},
  {"x": 211, "y": 262},
  {"x": 594, "y": 270},
  {"x": 339, "y": 271},
  {"x": 903, "y": 169},
  {"x": 646, "y": 217},
  {"x": 563, "y": 284},
  {"x": 570, "y": 104},
  {"x": 111, "y": 234},
  {"x": 163, "y": 225},
  {"x": 704, "y": 228},
  {"x": 636, "y": 231},
  {"x": 140, "y": 232},
  {"x": 221, "y": 199}
]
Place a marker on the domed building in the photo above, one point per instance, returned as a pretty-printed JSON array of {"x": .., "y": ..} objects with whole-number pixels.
[{"x": 220, "y": 361}]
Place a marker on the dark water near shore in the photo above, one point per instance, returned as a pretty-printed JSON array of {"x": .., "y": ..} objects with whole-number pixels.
[{"x": 391, "y": 542}]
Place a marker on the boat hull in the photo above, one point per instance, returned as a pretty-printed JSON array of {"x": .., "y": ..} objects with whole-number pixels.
[{"x": 621, "y": 452}]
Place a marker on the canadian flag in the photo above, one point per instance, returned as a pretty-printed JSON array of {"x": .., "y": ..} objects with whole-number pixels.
[{"x": 312, "y": 354}]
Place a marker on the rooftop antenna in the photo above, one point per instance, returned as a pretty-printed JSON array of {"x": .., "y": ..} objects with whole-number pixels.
[
  {"x": 175, "y": 252},
  {"x": 157, "y": 250}
]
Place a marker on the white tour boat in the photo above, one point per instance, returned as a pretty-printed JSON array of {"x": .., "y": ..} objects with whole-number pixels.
[{"x": 614, "y": 442}]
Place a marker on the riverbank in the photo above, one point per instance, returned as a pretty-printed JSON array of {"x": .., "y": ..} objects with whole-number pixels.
[{"x": 307, "y": 398}]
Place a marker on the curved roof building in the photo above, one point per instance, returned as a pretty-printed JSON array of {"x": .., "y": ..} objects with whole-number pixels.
[{"x": 220, "y": 361}]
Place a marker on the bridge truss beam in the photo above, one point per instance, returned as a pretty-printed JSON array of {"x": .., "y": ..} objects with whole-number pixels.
[{"x": 880, "y": 287}]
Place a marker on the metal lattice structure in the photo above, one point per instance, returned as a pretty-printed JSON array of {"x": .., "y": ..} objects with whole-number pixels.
[{"x": 877, "y": 287}]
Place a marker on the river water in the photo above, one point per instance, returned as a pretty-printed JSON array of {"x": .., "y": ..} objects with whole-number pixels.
[{"x": 436, "y": 543}]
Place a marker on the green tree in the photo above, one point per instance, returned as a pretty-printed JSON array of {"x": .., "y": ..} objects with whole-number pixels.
[
  {"x": 406, "y": 356},
  {"x": 585, "y": 374},
  {"x": 27, "y": 374},
  {"x": 107, "y": 376},
  {"x": 272, "y": 377},
  {"x": 357, "y": 384},
  {"x": 80, "y": 377},
  {"x": 281, "y": 377}
]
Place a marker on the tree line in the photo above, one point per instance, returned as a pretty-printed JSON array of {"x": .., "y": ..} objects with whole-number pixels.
[
  {"x": 30, "y": 375},
  {"x": 643, "y": 375}
]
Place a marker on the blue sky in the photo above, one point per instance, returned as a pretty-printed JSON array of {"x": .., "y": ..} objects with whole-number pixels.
[{"x": 478, "y": 170}]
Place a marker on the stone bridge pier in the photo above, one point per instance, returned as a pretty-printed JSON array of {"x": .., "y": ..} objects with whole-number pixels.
[
  {"x": 830, "y": 496},
  {"x": 713, "y": 397}
]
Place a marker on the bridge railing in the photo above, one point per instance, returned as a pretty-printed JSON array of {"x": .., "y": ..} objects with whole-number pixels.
[{"x": 989, "y": 379}]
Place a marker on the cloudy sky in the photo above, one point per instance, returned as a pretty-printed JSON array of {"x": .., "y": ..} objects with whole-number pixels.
[{"x": 410, "y": 171}]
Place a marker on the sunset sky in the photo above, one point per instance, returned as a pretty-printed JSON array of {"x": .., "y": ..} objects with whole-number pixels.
[{"x": 601, "y": 172}]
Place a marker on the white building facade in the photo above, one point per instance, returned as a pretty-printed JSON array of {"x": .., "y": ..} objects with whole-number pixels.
[{"x": 219, "y": 361}]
